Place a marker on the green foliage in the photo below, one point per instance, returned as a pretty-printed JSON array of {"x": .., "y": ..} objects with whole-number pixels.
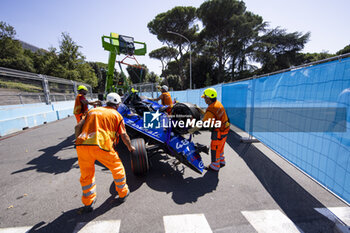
[
  {"x": 203, "y": 71},
  {"x": 219, "y": 18},
  {"x": 67, "y": 63},
  {"x": 152, "y": 78},
  {"x": 179, "y": 20},
  {"x": 7, "y": 31},
  {"x": 164, "y": 54},
  {"x": 173, "y": 81},
  {"x": 100, "y": 70},
  {"x": 346, "y": 49},
  {"x": 231, "y": 38},
  {"x": 12, "y": 55},
  {"x": 278, "y": 49},
  {"x": 311, "y": 57},
  {"x": 207, "y": 80},
  {"x": 20, "y": 86},
  {"x": 69, "y": 55}
]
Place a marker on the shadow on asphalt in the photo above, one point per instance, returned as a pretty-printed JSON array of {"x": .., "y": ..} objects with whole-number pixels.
[
  {"x": 167, "y": 177},
  {"x": 68, "y": 221},
  {"x": 164, "y": 176},
  {"x": 293, "y": 199},
  {"x": 49, "y": 163}
]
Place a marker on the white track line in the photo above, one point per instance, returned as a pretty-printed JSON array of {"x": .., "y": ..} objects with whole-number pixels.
[
  {"x": 270, "y": 221},
  {"x": 110, "y": 226},
  {"x": 187, "y": 223},
  {"x": 15, "y": 230}
]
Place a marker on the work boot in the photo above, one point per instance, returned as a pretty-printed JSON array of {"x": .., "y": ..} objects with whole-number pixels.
[
  {"x": 123, "y": 199},
  {"x": 86, "y": 209}
]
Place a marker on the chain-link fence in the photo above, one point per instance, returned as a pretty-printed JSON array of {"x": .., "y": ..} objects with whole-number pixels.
[{"x": 19, "y": 87}]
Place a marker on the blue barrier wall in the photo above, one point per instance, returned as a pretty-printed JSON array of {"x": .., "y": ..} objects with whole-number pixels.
[
  {"x": 16, "y": 117},
  {"x": 325, "y": 155}
]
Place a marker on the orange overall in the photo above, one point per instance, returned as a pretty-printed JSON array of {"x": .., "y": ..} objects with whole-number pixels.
[
  {"x": 100, "y": 130},
  {"x": 217, "y": 112},
  {"x": 166, "y": 100},
  {"x": 79, "y": 107}
]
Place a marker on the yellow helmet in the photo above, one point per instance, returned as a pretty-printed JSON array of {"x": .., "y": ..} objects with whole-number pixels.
[
  {"x": 210, "y": 93},
  {"x": 82, "y": 87},
  {"x": 134, "y": 90}
]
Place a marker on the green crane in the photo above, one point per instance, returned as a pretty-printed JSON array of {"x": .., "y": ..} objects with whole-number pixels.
[{"x": 118, "y": 44}]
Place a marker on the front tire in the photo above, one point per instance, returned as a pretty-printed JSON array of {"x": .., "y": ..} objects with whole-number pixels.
[{"x": 139, "y": 158}]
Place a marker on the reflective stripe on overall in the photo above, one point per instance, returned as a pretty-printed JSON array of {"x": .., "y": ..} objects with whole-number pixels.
[
  {"x": 218, "y": 140},
  {"x": 87, "y": 155},
  {"x": 217, "y": 111},
  {"x": 100, "y": 130}
]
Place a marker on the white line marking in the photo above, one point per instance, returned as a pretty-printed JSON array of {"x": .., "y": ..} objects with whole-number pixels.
[
  {"x": 343, "y": 213},
  {"x": 187, "y": 223},
  {"x": 270, "y": 221},
  {"x": 16, "y": 229},
  {"x": 110, "y": 226}
]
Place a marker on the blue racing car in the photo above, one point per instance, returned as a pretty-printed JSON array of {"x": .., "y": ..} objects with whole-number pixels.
[{"x": 153, "y": 130}]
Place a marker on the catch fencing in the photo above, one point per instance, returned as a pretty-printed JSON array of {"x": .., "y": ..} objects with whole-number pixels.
[
  {"x": 301, "y": 113},
  {"x": 19, "y": 87},
  {"x": 28, "y": 99}
]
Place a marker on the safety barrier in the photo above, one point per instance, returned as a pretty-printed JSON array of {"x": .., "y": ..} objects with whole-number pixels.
[
  {"x": 301, "y": 113},
  {"x": 17, "y": 117}
]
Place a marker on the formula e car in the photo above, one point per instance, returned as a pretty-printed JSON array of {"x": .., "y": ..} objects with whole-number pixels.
[{"x": 152, "y": 130}]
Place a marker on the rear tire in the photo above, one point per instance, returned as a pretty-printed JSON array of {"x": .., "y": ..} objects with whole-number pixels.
[{"x": 139, "y": 158}]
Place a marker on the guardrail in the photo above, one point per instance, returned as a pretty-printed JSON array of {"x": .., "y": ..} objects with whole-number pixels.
[{"x": 44, "y": 88}]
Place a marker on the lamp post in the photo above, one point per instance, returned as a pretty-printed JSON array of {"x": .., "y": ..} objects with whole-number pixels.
[{"x": 189, "y": 42}]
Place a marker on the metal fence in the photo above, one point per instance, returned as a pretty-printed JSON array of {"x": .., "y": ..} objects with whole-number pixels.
[
  {"x": 19, "y": 87},
  {"x": 147, "y": 89}
]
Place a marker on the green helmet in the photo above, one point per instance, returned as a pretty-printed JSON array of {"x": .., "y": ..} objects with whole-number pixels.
[
  {"x": 210, "y": 93},
  {"x": 82, "y": 87}
]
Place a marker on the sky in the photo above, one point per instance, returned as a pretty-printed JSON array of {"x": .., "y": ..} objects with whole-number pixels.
[{"x": 41, "y": 22}]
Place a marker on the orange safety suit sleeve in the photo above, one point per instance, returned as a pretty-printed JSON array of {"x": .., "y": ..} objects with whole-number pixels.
[{"x": 208, "y": 115}]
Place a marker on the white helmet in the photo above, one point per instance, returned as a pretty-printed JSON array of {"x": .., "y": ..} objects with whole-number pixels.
[
  {"x": 113, "y": 98},
  {"x": 165, "y": 87}
]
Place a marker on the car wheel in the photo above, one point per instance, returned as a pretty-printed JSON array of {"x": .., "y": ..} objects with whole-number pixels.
[{"x": 139, "y": 158}]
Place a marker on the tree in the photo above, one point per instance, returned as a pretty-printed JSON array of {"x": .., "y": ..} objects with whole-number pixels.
[
  {"x": 203, "y": 71},
  {"x": 278, "y": 49},
  {"x": 73, "y": 62},
  {"x": 180, "y": 20},
  {"x": 164, "y": 54},
  {"x": 345, "y": 50},
  {"x": 11, "y": 52},
  {"x": 69, "y": 55},
  {"x": 247, "y": 28},
  {"x": 311, "y": 57},
  {"x": 7, "y": 31},
  {"x": 100, "y": 70},
  {"x": 174, "y": 82},
  {"x": 219, "y": 20},
  {"x": 152, "y": 78}
]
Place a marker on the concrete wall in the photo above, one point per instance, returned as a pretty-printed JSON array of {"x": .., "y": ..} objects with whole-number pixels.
[{"x": 14, "y": 118}]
